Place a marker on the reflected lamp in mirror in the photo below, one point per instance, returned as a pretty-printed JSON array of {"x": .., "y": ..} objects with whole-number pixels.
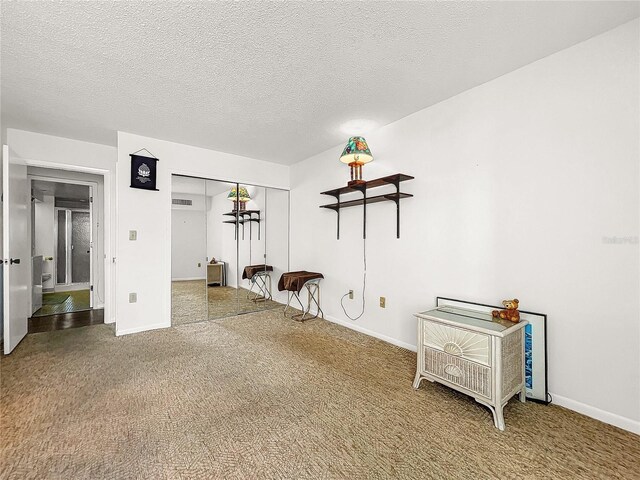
[
  {"x": 356, "y": 154},
  {"x": 240, "y": 197}
]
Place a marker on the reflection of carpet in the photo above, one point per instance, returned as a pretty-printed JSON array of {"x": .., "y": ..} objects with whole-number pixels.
[
  {"x": 54, "y": 298},
  {"x": 190, "y": 303}
]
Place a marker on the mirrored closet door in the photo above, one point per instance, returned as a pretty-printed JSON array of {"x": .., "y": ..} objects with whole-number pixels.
[
  {"x": 276, "y": 232},
  {"x": 229, "y": 264},
  {"x": 188, "y": 250},
  {"x": 251, "y": 251},
  {"x": 223, "y": 230},
  {"x": 253, "y": 223}
]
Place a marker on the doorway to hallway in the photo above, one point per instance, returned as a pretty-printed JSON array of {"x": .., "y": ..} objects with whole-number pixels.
[{"x": 62, "y": 247}]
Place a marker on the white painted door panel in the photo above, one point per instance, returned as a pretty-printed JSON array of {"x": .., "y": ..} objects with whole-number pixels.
[{"x": 17, "y": 257}]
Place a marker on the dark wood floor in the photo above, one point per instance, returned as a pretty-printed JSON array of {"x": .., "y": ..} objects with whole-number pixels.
[{"x": 62, "y": 321}]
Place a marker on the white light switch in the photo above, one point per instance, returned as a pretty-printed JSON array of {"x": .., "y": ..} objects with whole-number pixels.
[
  {"x": 133, "y": 234},
  {"x": 133, "y": 297}
]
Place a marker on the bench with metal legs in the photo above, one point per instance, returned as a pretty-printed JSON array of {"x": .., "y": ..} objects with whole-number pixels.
[{"x": 313, "y": 295}]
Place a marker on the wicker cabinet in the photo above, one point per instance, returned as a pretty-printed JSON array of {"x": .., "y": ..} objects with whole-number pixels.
[{"x": 474, "y": 354}]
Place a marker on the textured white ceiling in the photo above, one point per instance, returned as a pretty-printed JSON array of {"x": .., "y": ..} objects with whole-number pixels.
[{"x": 268, "y": 80}]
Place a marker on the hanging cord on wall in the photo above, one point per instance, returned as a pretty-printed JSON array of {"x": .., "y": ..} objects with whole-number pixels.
[{"x": 364, "y": 283}]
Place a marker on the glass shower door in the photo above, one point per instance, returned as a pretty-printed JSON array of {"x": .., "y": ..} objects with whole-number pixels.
[
  {"x": 73, "y": 247},
  {"x": 80, "y": 247},
  {"x": 61, "y": 247}
]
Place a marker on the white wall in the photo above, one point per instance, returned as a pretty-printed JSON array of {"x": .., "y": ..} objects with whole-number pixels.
[
  {"x": 520, "y": 185},
  {"x": 66, "y": 158},
  {"x": 189, "y": 237},
  {"x": 44, "y": 241},
  {"x": 149, "y": 213}
]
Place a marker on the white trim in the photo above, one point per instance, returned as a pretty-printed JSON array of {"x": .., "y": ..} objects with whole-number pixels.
[
  {"x": 598, "y": 414},
  {"x": 143, "y": 328},
  {"x": 186, "y": 279},
  {"x": 371, "y": 333}
]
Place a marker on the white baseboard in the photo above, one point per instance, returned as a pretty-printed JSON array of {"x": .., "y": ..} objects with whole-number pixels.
[
  {"x": 354, "y": 326},
  {"x": 187, "y": 279},
  {"x": 602, "y": 415},
  {"x": 143, "y": 328}
]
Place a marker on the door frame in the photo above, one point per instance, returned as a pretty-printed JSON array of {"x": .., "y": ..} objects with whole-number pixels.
[
  {"x": 93, "y": 188},
  {"x": 108, "y": 220}
]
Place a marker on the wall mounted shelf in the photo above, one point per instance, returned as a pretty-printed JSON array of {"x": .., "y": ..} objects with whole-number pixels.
[
  {"x": 365, "y": 200},
  {"x": 244, "y": 216}
]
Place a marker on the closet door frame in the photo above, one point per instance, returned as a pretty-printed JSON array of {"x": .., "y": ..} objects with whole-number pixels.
[{"x": 238, "y": 233}]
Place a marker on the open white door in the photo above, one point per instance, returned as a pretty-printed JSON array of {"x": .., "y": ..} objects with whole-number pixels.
[{"x": 17, "y": 255}]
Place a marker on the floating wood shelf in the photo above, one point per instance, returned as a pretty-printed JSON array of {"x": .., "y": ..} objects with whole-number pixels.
[
  {"x": 360, "y": 201},
  {"x": 394, "y": 180},
  {"x": 242, "y": 213},
  {"x": 242, "y": 217}
]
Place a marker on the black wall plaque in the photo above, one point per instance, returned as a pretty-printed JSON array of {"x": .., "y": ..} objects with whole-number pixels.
[{"x": 143, "y": 172}]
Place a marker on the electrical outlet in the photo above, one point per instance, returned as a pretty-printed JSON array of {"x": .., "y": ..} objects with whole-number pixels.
[
  {"x": 350, "y": 294},
  {"x": 383, "y": 302},
  {"x": 133, "y": 234},
  {"x": 133, "y": 297}
]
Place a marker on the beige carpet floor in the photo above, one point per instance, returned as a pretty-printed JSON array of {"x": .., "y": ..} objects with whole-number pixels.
[
  {"x": 262, "y": 397},
  {"x": 192, "y": 302}
]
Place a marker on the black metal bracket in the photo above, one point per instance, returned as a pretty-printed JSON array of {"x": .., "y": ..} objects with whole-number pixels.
[
  {"x": 395, "y": 197},
  {"x": 239, "y": 219}
]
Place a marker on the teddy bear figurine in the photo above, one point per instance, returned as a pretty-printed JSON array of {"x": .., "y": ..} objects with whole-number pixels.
[{"x": 510, "y": 313}]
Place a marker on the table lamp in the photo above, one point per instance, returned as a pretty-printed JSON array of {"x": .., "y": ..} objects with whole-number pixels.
[
  {"x": 356, "y": 154},
  {"x": 240, "y": 198}
]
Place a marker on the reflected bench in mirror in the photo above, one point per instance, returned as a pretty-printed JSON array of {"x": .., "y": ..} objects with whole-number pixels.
[{"x": 260, "y": 278}]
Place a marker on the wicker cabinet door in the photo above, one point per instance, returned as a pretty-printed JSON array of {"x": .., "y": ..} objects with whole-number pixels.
[
  {"x": 458, "y": 342},
  {"x": 467, "y": 375}
]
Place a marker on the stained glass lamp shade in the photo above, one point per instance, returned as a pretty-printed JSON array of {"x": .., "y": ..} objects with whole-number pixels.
[
  {"x": 240, "y": 197},
  {"x": 356, "y": 154}
]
